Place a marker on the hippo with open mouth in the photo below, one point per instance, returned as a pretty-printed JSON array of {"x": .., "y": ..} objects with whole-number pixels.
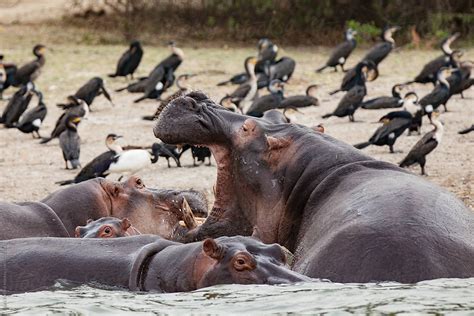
[
  {"x": 346, "y": 216},
  {"x": 141, "y": 263},
  {"x": 152, "y": 211}
]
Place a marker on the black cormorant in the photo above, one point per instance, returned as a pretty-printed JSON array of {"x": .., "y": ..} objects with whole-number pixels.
[
  {"x": 425, "y": 145},
  {"x": 350, "y": 78},
  {"x": 157, "y": 83},
  {"x": 386, "y": 102},
  {"x": 353, "y": 98},
  {"x": 282, "y": 69},
  {"x": 430, "y": 70},
  {"x": 267, "y": 52},
  {"x": 440, "y": 94},
  {"x": 341, "y": 52},
  {"x": 460, "y": 78},
  {"x": 394, "y": 124},
  {"x": 7, "y": 75},
  {"x": 17, "y": 105},
  {"x": 301, "y": 101},
  {"x": 267, "y": 102},
  {"x": 30, "y": 71},
  {"x": 381, "y": 50},
  {"x": 70, "y": 142},
  {"x": 129, "y": 61},
  {"x": 91, "y": 89},
  {"x": 31, "y": 121}
]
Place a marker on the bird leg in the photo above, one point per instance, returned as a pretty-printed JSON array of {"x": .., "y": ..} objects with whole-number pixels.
[
  {"x": 67, "y": 167},
  {"x": 120, "y": 178},
  {"x": 391, "y": 149},
  {"x": 209, "y": 164},
  {"x": 168, "y": 161}
]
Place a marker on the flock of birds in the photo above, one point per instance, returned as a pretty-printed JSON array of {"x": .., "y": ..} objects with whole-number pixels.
[{"x": 448, "y": 73}]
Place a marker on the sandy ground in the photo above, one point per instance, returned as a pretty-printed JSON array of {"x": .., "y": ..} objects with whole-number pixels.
[{"x": 28, "y": 170}]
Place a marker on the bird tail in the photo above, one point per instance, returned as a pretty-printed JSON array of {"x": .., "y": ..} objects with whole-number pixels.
[
  {"x": 45, "y": 140},
  {"x": 121, "y": 89},
  {"x": 75, "y": 163},
  {"x": 321, "y": 69},
  {"x": 140, "y": 99},
  {"x": 362, "y": 145},
  {"x": 65, "y": 182},
  {"x": 112, "y": 75},
  {"x": 327, "y": 115},
  {"x": 405, "y": 162},
  {"x": 335, "y": 91},
  {"x": 467, "y": 130},
  {"x": 223, "y": 83},
  {"x": 148, "y": 117}
]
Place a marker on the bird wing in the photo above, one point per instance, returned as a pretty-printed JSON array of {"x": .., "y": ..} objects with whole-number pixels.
[
  {"x": 435, "y": 96},
  {"x": 343, "y": 50},
  {"x": 423, "y": 147},
  {"x": 70, "y": 144},
  {"x": 241, "y": 91},
  {"x": 382, "y": 103},
  {"x": 353, "y": 97},
  {"x": 379, "y": 52},
  {"x": 124, "y": 61},
  {"x": 33, "y": 114},
  {"x": 97, "y": 167},
  {"x": 298, "y": 101},
  {"x": 24, "y": 73},
  {"x": 264, "y": 103},
  {"x": 397, "y": 125},
  {"x": 429, "y": 71}
]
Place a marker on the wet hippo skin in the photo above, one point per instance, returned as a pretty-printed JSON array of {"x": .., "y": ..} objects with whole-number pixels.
[
  {"x": 141, "y": 263},
  {"x": 346, "y": 216}
]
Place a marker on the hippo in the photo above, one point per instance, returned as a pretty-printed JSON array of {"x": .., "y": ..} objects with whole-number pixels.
[
  {"x": 346, "y": 216},
  {"x": 141, "y": 263},
  {"x": 106, "y": 227},
  {"x": 152, "y": 211}
]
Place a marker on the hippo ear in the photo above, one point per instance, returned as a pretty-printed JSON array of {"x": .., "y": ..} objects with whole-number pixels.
[
  {"x": 277, "y": 143},
  {"x": 115, "y": 190},
  {"x": 77, "y": 232},
  {"x": 212, "y": 249},
  {"x": 125, "y": 224},
  {"x": 318, "y": 128},
  {"x": 256, "y": 234}
]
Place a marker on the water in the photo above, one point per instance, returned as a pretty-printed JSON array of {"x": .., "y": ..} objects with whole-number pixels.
[{"x": 443, "y": 296}]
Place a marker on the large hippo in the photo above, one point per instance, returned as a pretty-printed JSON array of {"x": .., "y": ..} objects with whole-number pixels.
[
  {"x": 141, "y": 263},
  {"x": 346, "y": 216},
  {"x": 152, "y": 211}
]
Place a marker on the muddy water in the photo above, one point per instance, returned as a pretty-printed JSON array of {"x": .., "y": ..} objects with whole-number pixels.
[{"x": 443, "y": 296}]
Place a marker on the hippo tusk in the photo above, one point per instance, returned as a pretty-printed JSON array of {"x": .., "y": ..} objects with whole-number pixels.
[{"x": 188, "y": 215}]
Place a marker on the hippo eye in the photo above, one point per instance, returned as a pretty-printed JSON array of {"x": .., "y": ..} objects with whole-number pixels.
[
  {"x": 244, "y": 262},
  {"x": 241, "y": 261},
  {"x": 107, "y": 230}
]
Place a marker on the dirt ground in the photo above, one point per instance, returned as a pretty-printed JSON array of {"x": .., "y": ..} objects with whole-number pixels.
[{"x": 28, "y": 170}]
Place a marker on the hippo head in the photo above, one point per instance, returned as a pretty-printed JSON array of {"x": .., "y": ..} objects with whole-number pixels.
[
  {"x": 106, "y": 227},
  {"x": 152, "y": 211},
  {"x": 265, "y": 167},
  {"x": 242, "y": 260}
]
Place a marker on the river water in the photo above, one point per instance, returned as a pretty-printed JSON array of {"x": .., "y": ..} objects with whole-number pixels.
[{"x": 443, "y": 296}]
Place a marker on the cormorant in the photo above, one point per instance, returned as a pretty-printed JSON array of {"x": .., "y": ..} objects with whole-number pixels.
[
  {"x": 381, "y": 50},
  {"x": 440, "y": 94},
  {"x": 425, "y": 145},
  {"x": 7, "y": 75},
  {"x": 75, "y": 106},
  {"x": 129, "y": 61},
  {"x": 269, "y": 101},
  {"x": 300, "y": 101},
  {"x": 395, "y": 101},
  {"x": 116, "y": 160},
  {"x": 267, "y": 52},
  {"x": 30, "y": 71},
  {"x": 169, "y": 151},
  {"x": 17, "y": 105},
  {"x": 460, "y": 78},
  {"x": 430, "y": 70},
  {"x": 91, "y": 89},
  {"x": 246, "y": 92},
  {"x": 341, "y": 52},
  {"x": 31, "y": 121},
  {"x": 70, "y": 142},
  {"x": 353, "y": 98},
  {"x": 467, "y": 130},
  {"x": 282, "y": 69},
  {"x": 199, "y": 153},
  {"x": 394, "y": 124},
  {"x": 350, "y": 77},
  {"x": 157, "y": 83}
]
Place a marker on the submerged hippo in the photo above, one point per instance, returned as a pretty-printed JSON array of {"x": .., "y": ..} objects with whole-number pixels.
[
  {"x": 346, "y": 216},
  {"x": 106, "y": 227},
  {"x": 141, "y": 263},
  {"x": 151, "y": 211}
]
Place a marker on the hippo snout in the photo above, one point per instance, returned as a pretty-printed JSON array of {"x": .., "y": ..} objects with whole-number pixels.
[{"x": 285, "y": 276}]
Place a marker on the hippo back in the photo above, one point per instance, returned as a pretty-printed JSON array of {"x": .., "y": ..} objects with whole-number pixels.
[{"x": 30, "y": 219}]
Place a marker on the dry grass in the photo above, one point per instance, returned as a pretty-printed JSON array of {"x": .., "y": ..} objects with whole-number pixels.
[{"x": 28, "y": 170}]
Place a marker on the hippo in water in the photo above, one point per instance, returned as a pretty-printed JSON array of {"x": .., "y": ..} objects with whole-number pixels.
[
  {"x": 106, "y": 227},
  {"x": 346, "y": 216},
  {"x": 141, "y": 263},
  {"x": 152, "y": 211}
]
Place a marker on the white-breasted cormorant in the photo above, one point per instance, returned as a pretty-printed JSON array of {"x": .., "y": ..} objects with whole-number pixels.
[
  {"x": 17, "y": 105},
  {"x": 129, "y": 61},
  {"x": 30, "y": 71},
  {"x": 394, "y": 124},
  {"x": 301, "y": 101},
  {"x": 116, "y": 160},
  {"x": 267, "y": 102},
  {"x": 350, "y": 78},
  {"x": 386, "y": 102},
  {"x": 267, "y": 52},
  {"x": 341, "y": 52},
  {"x": 460, "y": 78},
  {"x": 440, "y": 94},
  {"x": 430, "y": 70},
  {"x": 31, "y": 121},
  {"x": 353, "y": 98},
  {"x": 425, "y": 145},
  {"x": 70, "y": 142},
  {"x": 381, "y": 50}
]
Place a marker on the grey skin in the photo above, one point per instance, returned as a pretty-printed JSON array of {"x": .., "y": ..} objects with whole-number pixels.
[
  {"x": 346, "y": 216},
  {"x": 141, "y": 263},
  {"x": 106, "y": 227},
  {"x": 151, "y": 211}
]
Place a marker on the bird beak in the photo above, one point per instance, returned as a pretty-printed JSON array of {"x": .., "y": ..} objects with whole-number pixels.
[{"x": 76, "y": 120}]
